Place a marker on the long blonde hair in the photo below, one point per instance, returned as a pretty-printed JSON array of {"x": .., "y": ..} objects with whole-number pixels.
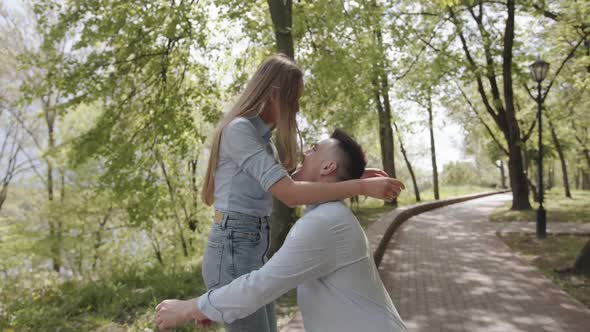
[{"x": 276, "y": 72}]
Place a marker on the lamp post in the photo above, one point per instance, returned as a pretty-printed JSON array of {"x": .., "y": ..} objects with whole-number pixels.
[{"x": 539, "y": 71}]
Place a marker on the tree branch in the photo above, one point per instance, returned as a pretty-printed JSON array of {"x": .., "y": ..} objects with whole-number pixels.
[
  {"x": 567, "y": 58},
  {"x": 488, "y": 129}
]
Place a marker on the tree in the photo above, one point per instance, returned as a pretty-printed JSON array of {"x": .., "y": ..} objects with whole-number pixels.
[
  {"x": 408, "y": 163},
  {"x": 138, "y": 64}
]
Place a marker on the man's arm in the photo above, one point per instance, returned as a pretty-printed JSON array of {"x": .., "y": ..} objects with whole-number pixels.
[{"x": 308, "y": 253}]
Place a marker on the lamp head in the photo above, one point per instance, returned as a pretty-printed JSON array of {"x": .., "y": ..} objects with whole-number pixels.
[{"x": 539, "y": 70}]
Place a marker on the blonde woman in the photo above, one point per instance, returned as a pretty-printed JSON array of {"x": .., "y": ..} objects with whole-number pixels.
[{"x": 244, "y": 174}]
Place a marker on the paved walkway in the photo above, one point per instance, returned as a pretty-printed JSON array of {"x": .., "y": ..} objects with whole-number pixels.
[{"x": 446, "y": 270}]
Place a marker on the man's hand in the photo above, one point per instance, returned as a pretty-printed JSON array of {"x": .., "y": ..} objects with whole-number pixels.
[
  {"x": 171, "y": 313},
  {"x": 374, "y": 173}
]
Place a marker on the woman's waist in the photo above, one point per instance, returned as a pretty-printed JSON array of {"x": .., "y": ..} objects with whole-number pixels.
[
  {"x": 234, "y": 219},
  {"x": 243, "y": 206}
]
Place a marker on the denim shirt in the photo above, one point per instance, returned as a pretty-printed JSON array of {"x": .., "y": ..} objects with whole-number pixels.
[{"x": 247, "y": 168}]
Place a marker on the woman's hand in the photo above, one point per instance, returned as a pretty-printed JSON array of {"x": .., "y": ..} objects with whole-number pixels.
[
  {"x": 384, "y": 188},
  {"x": 374, "y": 173}
]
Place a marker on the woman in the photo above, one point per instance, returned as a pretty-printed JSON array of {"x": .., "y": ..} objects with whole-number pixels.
[{"x": 244, "y": 174}]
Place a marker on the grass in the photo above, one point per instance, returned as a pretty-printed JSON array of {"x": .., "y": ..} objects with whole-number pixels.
[
  {"x": 286, "y": 307},
  {"x": 559, "y": 209},
  {"x": 554, "y": 252},
  {"x": 125, "y": 301}
]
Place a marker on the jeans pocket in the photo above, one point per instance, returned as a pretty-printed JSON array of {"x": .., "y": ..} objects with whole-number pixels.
[
  {"x": 212, "y": 264},
  {"x": 245, "y": 236}
]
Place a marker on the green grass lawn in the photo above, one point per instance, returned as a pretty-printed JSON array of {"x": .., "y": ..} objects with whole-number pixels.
[
  {"x": 554, "y": 252},
  {"x": 558, "y": 207}
]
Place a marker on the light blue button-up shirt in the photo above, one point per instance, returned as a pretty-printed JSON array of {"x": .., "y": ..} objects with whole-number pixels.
[
  {"x": 247, "y": 168},
  {"x": 328, "y": 258}
]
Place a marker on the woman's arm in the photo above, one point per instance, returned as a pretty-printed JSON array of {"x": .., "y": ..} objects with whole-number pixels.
[{"x": 294, "y": 193}]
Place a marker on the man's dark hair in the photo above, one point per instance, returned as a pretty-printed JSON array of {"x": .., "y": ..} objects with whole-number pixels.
[{"x": 354, "y": 161}]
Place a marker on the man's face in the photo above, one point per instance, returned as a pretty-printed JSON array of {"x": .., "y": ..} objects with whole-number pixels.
[{"x": 320, "y": 160}]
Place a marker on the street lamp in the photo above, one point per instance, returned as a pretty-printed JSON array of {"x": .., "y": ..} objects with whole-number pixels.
[{"x": 539, "y": 71}]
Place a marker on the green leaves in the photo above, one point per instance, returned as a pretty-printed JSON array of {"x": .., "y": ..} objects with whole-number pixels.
[{"x": 134, "y": 60}]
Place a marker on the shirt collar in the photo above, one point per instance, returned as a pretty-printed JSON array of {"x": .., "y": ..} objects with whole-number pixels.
[
  {"x": 262, "y": 128},
  {"x": 310, "y": 207}
]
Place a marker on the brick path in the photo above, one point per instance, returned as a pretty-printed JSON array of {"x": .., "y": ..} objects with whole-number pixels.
[{"x": 446, "y": 270}]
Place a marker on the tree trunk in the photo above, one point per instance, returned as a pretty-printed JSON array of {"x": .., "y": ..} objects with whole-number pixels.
[
  {"x": 385, "y": 138},
  {"x": 587, "y": 155},
  {"x": 518, "y": 180},
  {"x": 557, "y": 144},
  {"x": 550, "y": 175},
  {"x": 408, "y": 164},
  {"x": 578, "y": 177},
  {"x": 584, "y": 173},
  {"x": 54, "y": 226},
  {"x": 98, "y": 236},
  {"x": 193, "y": 222},
  {"x": 533, "y": 189},
  {"x": 585, "y": 180},
  {"x": 432, "y": 147},
  {"x": 381, "y": 86},
  {"x": 3, "y": 194},
  {"x": 11, "y": 156},
  {"x": 171, "y": 193},
  {"x": 282, "y": 216},
  {"x": 156, "y": 247},
  {"x": 582, "y": 263},
  {"x": 502, "y": 174},
  {"x": 280, "y": 13},
  {"x": 282, "y": 220}
]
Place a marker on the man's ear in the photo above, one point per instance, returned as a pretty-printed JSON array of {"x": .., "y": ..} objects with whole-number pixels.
[{"x": 328, "y": 167}]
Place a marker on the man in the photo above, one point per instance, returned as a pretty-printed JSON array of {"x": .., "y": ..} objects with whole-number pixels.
[{"x": 326, "y": 255}]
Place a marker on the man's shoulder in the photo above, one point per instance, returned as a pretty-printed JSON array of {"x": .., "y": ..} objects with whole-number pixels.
[{"x": 336, "y": 207}]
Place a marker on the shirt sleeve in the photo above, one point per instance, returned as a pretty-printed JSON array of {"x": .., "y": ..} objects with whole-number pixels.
[
  {"x": 309, "y": 252},
  {"x": 242, "y": 144}
]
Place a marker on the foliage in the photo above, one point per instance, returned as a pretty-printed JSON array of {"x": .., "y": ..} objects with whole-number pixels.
[{"x": 117, "y": 301}]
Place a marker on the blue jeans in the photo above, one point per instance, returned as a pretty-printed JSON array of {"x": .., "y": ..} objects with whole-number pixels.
[{"x": 235, "y": 247}]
